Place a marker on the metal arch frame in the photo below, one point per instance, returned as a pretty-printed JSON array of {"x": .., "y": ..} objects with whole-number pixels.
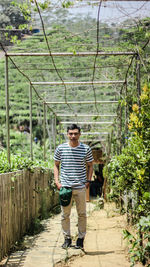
[
  {"x": 7, "y": 55},
  {"x": 77, "y": 83},
  {"x": 89, "y": 133},
  {"x": 87, "y": 122},
  {"x": 130, "y": 53},
  {"x": 85, "y": 115},
  {"x": 83, "y": 102}
]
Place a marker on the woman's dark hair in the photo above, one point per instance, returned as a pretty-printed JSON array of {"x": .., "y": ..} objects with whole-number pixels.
[{"x": 73, "y": 127}]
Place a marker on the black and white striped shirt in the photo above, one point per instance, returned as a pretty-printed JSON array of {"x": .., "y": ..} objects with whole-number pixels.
[{"x": 73, "y": 164}]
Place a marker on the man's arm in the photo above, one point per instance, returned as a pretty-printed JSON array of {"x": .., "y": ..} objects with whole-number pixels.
[
  {"x": 56, "y": 174},
  {"x": 89, "y": 172}
]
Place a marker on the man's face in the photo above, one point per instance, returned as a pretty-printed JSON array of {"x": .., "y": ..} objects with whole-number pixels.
[{"x": 73, "y": 135}]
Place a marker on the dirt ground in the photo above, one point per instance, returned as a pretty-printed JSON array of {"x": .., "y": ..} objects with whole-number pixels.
[{"x": 104, "y": 245}]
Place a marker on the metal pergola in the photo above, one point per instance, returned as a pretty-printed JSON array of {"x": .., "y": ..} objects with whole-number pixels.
[{"x": 49, "y": 104}]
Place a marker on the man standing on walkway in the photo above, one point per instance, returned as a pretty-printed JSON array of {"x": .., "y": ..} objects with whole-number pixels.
[{"x": 73, "y": 157}]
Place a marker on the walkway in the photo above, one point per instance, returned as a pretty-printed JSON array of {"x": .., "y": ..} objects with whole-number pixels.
[
  {"x": 45, "y": 248},
  {"x": 104, "y": 245}
]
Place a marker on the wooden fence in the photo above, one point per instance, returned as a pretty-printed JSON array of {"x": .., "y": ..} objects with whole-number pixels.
[{"x": 24, "y": 195}]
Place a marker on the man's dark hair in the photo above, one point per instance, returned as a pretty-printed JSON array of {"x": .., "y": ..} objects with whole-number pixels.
[{"x": 73, "y": 127}]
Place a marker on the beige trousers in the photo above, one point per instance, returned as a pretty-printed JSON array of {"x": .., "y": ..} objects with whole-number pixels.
[{"x": 79, "y": 195}]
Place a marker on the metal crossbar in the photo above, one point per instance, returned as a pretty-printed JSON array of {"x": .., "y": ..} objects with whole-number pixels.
[
  {"x": 93, "y": 140},
  {"x": 85, "y": 115},
  {"x": 77, "y": 83},
  {"x": 82, "y": 102},
  {"x": 89, "y": 133},
  {"x": 130, "y": 53},
  {"x": 87, "y": 122}
]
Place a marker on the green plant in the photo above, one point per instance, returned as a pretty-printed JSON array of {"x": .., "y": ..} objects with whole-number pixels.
[
  {"x": 99, "y": 203},
  {"x": 35, "y": 227},
  {"x": 139, "y": 243},
  {"x": 128, "y": 175},
  {"x": 130, "y": 171},
  {"x": 18, "y": 162}
]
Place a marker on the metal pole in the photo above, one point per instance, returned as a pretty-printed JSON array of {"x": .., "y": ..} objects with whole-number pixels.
[
  {"x": 44, "y": 132},
  {"x": 50, "y": 136},
  {"x": 55, "y": 132},
  {"x": 82, "y": 102},
  {"x": 52, "y": 130},
  {"x": 111, "y": 140},
  {"x": 108, "y": 146},
  {"x": 60, "y": 134},
  {"x": 109, "y": 143},
  {"x": 120, "y": 130},
  {"x": 138, "y": 81},
  {"x": 78, "y": 83},
  {"x": 31, "y": 134},
  {"x": 7, "y": 109},
  {"x": 75, "y": 54},
  {"x": 85, "y": 115},
  {"x": 93, "y": 140},
  {"x": 90, "y": 133},
  {"x": 126, "y": 112},
  {"x": 88, "y": 122},
  {"x": 48, "y": 130}
]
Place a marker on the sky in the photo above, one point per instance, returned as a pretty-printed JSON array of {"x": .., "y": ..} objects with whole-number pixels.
[
  {"x": 114, "y": 11},
  {"x": 111, "y": 12}
]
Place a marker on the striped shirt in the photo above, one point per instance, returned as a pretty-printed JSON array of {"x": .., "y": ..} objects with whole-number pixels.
[{"x": 73, "y": 164}]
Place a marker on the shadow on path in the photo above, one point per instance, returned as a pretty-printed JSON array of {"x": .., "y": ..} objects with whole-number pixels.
[{"x": 94, "y": 253}]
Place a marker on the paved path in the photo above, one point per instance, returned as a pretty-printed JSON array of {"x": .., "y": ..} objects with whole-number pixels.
[
  {"x": 45, "y": 248},
  {"x": 104, "y": 245}
]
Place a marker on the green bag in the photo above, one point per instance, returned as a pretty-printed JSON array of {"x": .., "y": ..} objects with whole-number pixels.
[{"x": 65, "y": 194}]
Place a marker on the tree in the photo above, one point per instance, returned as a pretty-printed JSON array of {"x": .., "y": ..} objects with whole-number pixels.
[{"x": 10, "y": 15}]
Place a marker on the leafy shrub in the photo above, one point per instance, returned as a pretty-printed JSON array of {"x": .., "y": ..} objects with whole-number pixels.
[
  {"x": 129, "y": 174},
  {"x": 19, "y": 162},
  {"x": 130, "y": 171},
  {"x": 139, "y": 244}
]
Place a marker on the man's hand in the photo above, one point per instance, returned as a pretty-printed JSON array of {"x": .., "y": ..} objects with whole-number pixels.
[
  {"x": 90, "y": 171},
  {"x": 87, "y": 185},
  {"x": 56, "y": 174},
  {"x": 58, "y": 186}
]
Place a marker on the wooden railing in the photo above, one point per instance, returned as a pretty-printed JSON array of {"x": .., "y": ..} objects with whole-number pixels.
[{"x": 24, "y": 195}]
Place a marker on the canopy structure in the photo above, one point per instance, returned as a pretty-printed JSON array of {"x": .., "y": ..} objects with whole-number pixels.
[
  {"x": 83, "y": 89},
  {"x": 100, "y": 120}
]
